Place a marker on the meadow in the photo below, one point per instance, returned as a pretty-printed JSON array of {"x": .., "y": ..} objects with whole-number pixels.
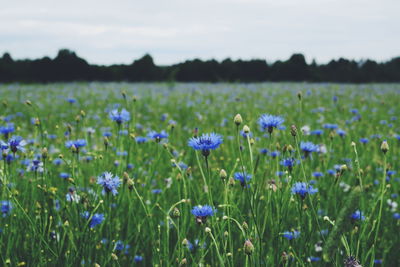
[{"x": 120, "y": 174}]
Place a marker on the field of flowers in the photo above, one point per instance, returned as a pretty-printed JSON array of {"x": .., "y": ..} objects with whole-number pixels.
[{"x": 118, "y": 174}]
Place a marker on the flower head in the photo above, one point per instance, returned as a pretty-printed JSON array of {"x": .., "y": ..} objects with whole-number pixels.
[
  {"x": 303, "y": 189},
  {"x": 308, "y": 147},
  {"x": 119, "y": 116},
  {"x": 157, "y": 136},
  {"x": 6, "y": 130},
  {"x": 6, "y": 207},
  {"x": 269, "y": 122},
  {"x": 96, "y": 219},
  {"x": 289, "y": 163},
  {"x": 202, "y": 212},
  {"x": 289, "y": 235},
  {"x": 16, "y": 143},
  {"x": 243, "y": 177},
  {"x": 75, "y": 144},
  {"x": 109, "y": 183},
  {"x": 357, "y": 215},
  {"x": 206, "y": 142}
]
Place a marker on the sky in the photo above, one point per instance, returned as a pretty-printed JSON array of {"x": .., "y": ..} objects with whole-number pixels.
[{"x": 119, "y": 31}]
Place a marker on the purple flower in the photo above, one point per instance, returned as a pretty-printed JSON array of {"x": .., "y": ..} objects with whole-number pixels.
[{"x": 109, "y": 183}]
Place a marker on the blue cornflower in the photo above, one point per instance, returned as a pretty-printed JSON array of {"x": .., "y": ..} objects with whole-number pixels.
[
  {"x": 202, "y": 213},
  {"x": 138, "y": 258},
  {"x": 6, "y": 130},
  {"x": 330, "y": 126},
  {"x": 243, "y": 177},
  {"x": 341, "y": 132},
  {"x": 357, "y": 215},
  {"x": 274, "y": 154},
  {"x": 6, "y": 207},
  {"x": 64, "y": 175},
  {"x": 195, "y": 245},
  {"x": 317, "y": 132},
  {"x": 109, "y": 183},
  {"x": 71, "y": 100},
  {"x": 119, "y": 245},
  {"x": 3, "y": 145},
  {"x": 140, "y": 139},
  {"x": 289, "y": 235},
  {"x": 206, "y": 142},
  {"x": 396, "y": 216},
  {"x": 269, "y": 122},
  {"x": 314, "y": 259},
  {"x": 96, "y": 219},
  {"x": 156, "y": 191},
  {"x": 16, "y": 143},
  {"x": 75, "y": 144},
  {"x": 317, "y": 174},
  {"x": 289, "y": 163},
  {"x": 244, "y": 135},
  {"x": 157, "y": 136},
  {"x": 364, "y": 140},
  {"x": 308, "y": 148},
  {"x": 107, "y": 134},
  {"x": 303, "y": 189},
  {"x": 119, "y": 117}
]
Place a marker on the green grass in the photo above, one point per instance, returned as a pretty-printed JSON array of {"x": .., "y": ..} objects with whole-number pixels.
[{"x": 158, "y": 227}]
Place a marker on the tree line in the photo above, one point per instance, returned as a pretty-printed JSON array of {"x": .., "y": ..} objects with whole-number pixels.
[{"x": 67, "y": 66}]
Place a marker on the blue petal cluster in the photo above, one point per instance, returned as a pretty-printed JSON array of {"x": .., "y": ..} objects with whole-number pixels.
[
  {"x": 16, "y": 143},
  {"x": 76, "y": 143},
  {"x": 309, "y": 147},
  {"x": 157, "y": 136},
  {"x": 206, "y": 142},
  {"x": 109, "y": 183},
  {"x": 269, "y": 122},
  {"x": 119, "y": 116},
  {"x": 303, "y": 189},
  {"x": 244, "y": 178},
  {"x": 96, "y": 219},
  {"x": 6, "y": 207},
  {"x": 357, "y": 215},
  {"x": 202, "y": 212},
  {"x": 289, "y": 235}
]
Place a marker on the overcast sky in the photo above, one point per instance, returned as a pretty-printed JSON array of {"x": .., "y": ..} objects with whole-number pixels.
[{"x": 105, "y": 31}]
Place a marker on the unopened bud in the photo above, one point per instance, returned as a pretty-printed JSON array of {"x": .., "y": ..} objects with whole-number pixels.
[
  {"x": 238, "y": 119},
  {"x": 183, "y": 262},
  {"x": 299, "y": 95},
  {"x": 245, "y": 226},
  {"x": 384, "y": 147},
  {"x": 28, "y": 102},
  {"x": 176, "y": 213},
  {"x": 231, "y": 181},
  {"x": 246, "y": 129},
  {"x": 293, "y": 130},
  {"x": 207, "y": 230},
  {"x": 123, "y": 93},
  {"x": 44, "y": 153},
  {"x": 248, "y": 247},
  {"x": 222, "y": 174}
]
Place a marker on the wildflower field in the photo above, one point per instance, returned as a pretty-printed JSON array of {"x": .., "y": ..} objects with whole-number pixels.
[{"x": 119, "y": 174}]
